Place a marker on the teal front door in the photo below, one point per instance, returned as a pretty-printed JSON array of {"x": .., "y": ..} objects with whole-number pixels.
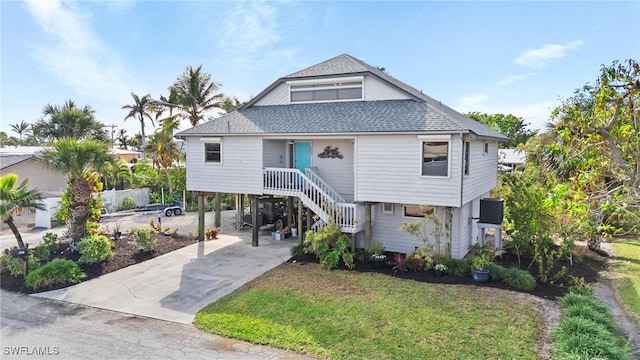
[{"x": 302, "y": 157}]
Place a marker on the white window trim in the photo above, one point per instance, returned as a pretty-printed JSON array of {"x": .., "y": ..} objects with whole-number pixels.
[
  {"x": 387, "y": 211},
  {"x": 325, "y": 81},
  {"x": 329, "y": 86},
  {"x": 466, "y": 146},
  {"x": 211, "y": 140},
  {"x": 427, "y": 138},
  {"x": 404, "y": 211}
]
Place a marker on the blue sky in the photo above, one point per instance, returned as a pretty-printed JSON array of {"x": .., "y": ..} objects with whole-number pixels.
[{"x": 507, "y": 57}]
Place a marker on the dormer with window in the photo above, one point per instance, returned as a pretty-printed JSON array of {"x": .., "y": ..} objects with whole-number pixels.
[{"x": 326, "y": 90}]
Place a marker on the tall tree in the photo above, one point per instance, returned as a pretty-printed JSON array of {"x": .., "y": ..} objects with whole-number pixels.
[
  {"x": 13, "y": 198},
  {"x": 77, "y": 159},
  {"x": 196, "y": 94},
  {"x": 596, "y": 150},
  {"x": 20, "y": 128},
  {"x": 163, "y": 149},
  {"x": 513, "y": 127},
  {"x": 141, "y": 109},
  {"x": 230, "y": 104},
  {"x": 68, "y": 120}
]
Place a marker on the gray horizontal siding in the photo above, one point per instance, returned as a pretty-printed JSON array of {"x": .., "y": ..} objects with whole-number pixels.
[
  {"x": 338, "y": 173},
  {"x": 239, "y": 172},
  {"x": 388, "y": 170},
  {"x": 483, "y": 170},
  {"x": 375, "y": 89}
]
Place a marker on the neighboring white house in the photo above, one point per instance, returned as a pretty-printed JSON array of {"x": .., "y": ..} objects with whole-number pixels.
[
  {"x": 511, "y": 159},
  {"x": 344, "y": 133}
]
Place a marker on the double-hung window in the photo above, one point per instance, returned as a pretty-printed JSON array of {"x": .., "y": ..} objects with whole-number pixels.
[
  {"x": 212, "y": 150},
  {"x": 435, "y": 156}
]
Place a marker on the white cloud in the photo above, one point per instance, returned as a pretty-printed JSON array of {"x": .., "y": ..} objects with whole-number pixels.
[
  {"x": 473, "y": 100},
  {"x": 513, "y": 79},
  {"x": 250, "y": 26},
  {"x": 75, "y": 55},
  {"x": 538, "y": 58}
]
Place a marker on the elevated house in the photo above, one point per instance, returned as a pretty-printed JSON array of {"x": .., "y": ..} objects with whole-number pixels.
[{"x": 356, "y": 146}]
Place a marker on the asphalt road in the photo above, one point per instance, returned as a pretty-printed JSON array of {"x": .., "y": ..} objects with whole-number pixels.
[{"x": 34, "y": 328}]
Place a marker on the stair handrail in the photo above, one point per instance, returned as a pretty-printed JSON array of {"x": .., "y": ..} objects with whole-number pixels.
[{"x": 315, "y": 178}]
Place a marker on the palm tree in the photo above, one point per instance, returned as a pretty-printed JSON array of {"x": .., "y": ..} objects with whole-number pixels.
[
  {"x": 163, "y": 148},
  {"x": 230, "y": 104},
  {"x": 140, "y": 109},
  {"x": 77, "y": 159},
  {"x": 195, "y": 93},
  {"x": 13, "y": 198},
  {"x": 20, "y": 128},
  {"x": 68, "y": 120}
]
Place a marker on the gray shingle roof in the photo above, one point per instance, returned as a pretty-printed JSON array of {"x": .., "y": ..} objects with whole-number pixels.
[
  {"x": 10, "y": 160},
  {"x": 341, "y": 117},
  {"x": 424, "y": 114}
]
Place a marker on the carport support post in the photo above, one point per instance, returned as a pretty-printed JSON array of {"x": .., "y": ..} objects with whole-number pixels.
[
  {"x": 200, "y": 216},
  {"x": 367, "y": 225},
  {"x": 300, "y": 217},
  {"x": 217, "y": 208},
  {"x": 254, "y": 220},
  {"x": 309, "y": 219},
  {"x": 290, "y": 212}
]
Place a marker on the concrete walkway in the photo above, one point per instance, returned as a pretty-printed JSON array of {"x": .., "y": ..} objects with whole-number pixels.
[{"x": 176, "y": 285}]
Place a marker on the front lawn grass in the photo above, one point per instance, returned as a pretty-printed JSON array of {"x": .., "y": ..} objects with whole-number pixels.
[
  {"x": 347, "y": 315},
  {"x": 628, "y": 266}
]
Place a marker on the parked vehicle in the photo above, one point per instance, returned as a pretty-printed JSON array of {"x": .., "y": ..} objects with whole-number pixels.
[
  {"x": 167, "y": 209},
  {"x": 271, "y": 211}
]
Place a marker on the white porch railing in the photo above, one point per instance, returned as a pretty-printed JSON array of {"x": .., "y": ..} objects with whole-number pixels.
[
  {"x": 313, "y": 176},
  {"x": 292, "y": 182}
]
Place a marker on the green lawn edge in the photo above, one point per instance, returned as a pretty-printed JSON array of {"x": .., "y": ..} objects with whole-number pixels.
[
  {"x": 379, "y": 317},
  {"x": 627, "y": 284}
]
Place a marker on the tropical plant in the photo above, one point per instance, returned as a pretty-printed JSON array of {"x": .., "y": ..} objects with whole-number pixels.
[
  {"x": 13, "y": 197},
  {"x": 195, "y": 94},
  {"x": 20, "y": 128},
  {"x": 15, "y": 265},
  {"x": 95, "y": 249},
  {"x": 230, "y": 104},
  {"x": 58, "y": 271},
  {"x": 140, "y": 110},
  {"x": 146, "y": 238},
  {"x": 70, "y": 121},
  {"x": 399, "y": 263},
  {"x": 77, "y": 159},
  {"x": 163, "y": 149}
]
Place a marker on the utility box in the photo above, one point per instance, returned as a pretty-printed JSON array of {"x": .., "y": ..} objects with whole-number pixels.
[{"x": 491, "y": 211}]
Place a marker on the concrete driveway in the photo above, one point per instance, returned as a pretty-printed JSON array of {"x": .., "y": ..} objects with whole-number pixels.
[{"x": 175, "y": 286}]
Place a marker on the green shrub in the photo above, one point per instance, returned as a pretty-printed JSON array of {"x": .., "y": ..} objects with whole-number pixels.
[
  {"x": 460, "y": 268},
  {"x": 15, "y": 265},
  {"x": 95, "y": 249},
  {"x": 48, "y": 246},
  {"x": 147, "y": 238},
  {"x": 580, "y": 286},
  {"x": 56, "y": 272},
  {"x": 127, "y": 204},
  {"x": 297, "y": 250},
  {"x": 496, "y": 272},
  {"x": 519, "y": 279},
  {"x": 572, "y": 299}
]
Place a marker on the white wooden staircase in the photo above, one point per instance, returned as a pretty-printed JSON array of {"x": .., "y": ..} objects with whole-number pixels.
[{"x": 315, "y": 194}]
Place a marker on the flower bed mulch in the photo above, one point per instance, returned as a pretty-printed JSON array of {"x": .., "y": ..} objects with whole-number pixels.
[
  {"x": 589, "y": 268},
  {"x": 127, "y": 252}
]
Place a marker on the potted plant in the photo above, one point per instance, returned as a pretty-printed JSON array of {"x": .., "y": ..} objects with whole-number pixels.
[
  {"x": 377, "y": 256},
  {"x": 440, "y": 269},
  {"x": 479, "y": 269}
]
